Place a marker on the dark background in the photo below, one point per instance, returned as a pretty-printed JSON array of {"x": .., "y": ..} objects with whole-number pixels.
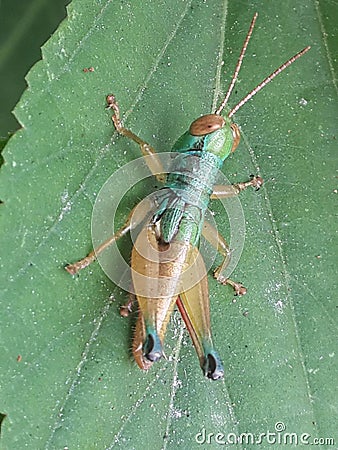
[{"x": 24, "y": 27}]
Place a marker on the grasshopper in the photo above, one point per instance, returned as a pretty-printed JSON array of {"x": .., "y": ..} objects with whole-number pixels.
[{"x": 167, "y": 267}]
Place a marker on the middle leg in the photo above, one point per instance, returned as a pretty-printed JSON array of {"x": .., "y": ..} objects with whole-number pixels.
[
  {"x": 224, "y": 191},
  {"x": 218, "y": 242}
]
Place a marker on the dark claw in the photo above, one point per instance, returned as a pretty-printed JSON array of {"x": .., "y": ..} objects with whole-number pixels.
[
  {"x": 152, "y": 348},
  {"x": 240, "y": 289},
  {"x": 213, "y": 367}
]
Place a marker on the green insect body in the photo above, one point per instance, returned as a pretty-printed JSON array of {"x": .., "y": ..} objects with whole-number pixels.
[
  {"x": 167, "y": 267},
  {"x": 181, "y": 216},
  {"x": 190, "y": 182}
]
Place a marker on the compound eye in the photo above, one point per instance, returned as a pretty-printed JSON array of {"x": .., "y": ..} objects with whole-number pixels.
[
  {"x": 236, "y": 135},
  {"x": 206, "y": 125}
]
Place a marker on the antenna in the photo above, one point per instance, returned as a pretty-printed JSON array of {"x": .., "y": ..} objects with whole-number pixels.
[
  {"x": 238, "y": 65},
  {"x": 263, "y": 83},
  {"x": 267, "y": 80}
]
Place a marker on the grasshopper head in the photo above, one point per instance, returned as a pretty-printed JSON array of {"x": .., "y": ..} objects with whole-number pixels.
[
  {"x": 221, "y": 137},
  {"x": 211, "y": 133}
]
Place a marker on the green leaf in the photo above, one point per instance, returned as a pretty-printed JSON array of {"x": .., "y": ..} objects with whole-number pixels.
[{"x": 67, "y": 376}]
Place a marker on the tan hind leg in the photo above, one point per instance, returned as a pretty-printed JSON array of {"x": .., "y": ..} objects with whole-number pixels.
[{"x": 137, "y": 214}]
